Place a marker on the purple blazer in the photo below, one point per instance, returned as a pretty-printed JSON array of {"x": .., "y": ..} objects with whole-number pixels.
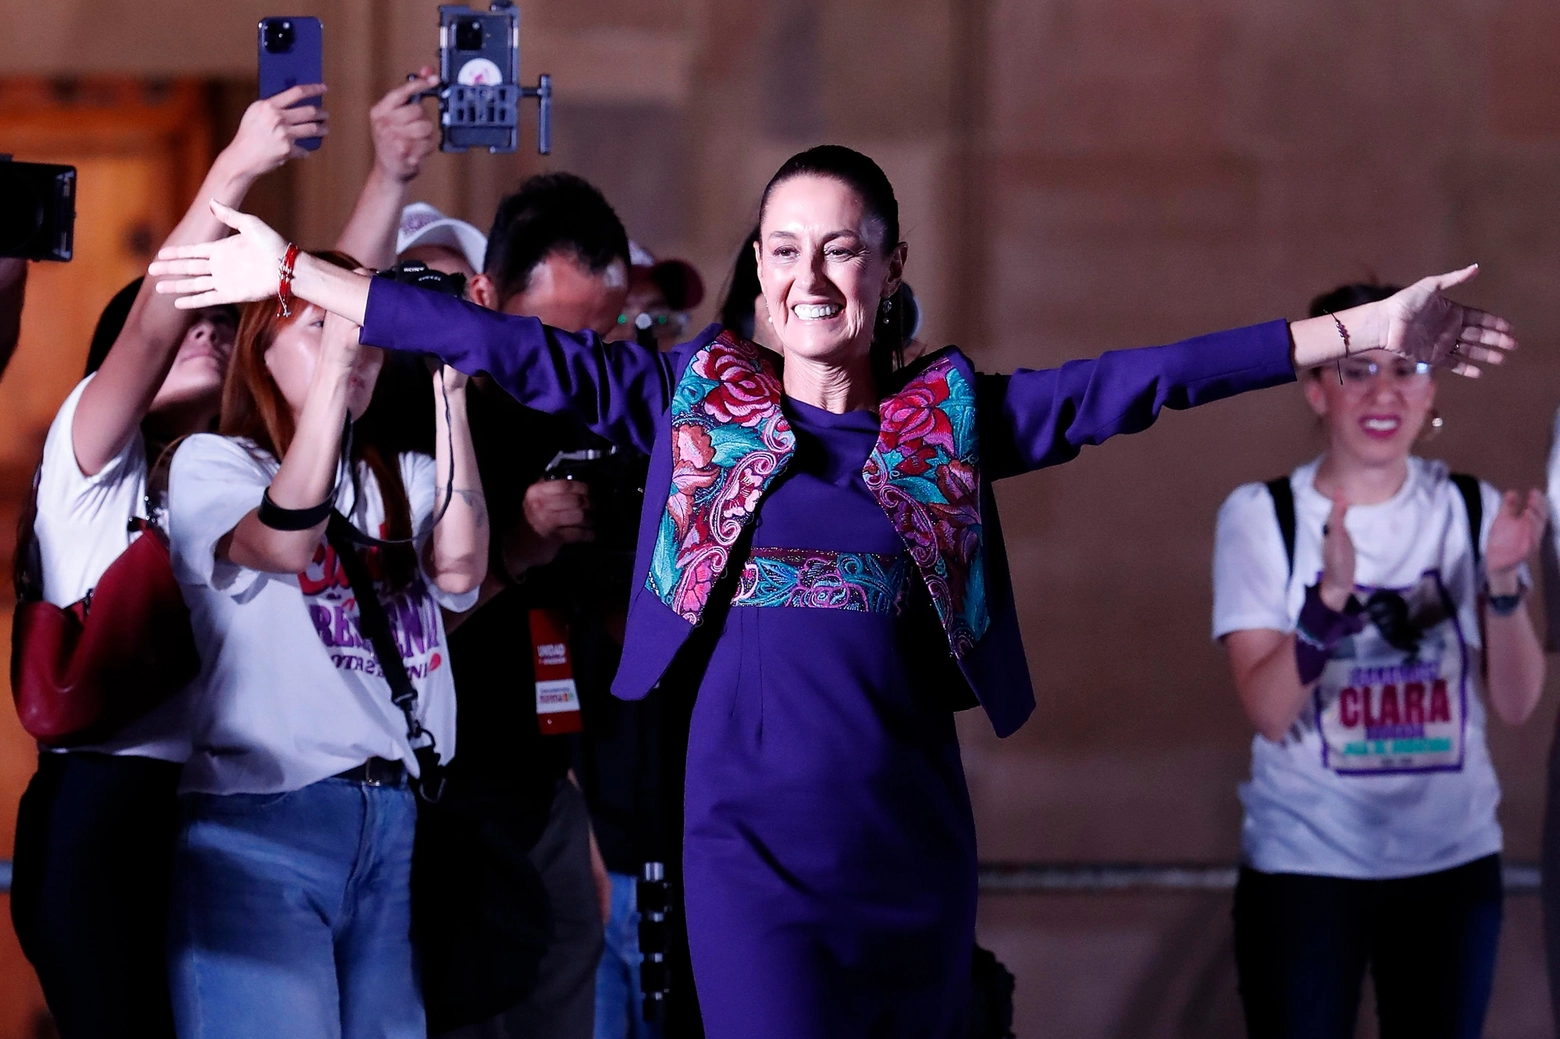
[{"x": 709, "y": 415}]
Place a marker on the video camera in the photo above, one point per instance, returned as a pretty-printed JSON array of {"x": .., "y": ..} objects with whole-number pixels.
[
  {"x": 479, "y": 71},
  {"x": 37, "y": 210}
]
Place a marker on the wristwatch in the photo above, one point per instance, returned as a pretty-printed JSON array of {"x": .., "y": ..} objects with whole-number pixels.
[{"x": 1505, "y": 605}]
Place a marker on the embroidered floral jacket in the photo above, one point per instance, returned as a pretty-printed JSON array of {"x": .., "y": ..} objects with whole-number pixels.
[{"x": 709, "y": 414}]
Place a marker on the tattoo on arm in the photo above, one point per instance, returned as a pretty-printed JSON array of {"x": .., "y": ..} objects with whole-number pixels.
[{"x": 476, "y": 502}]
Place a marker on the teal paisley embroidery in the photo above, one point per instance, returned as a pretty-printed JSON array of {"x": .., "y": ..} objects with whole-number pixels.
[
  {"x": 925, "y": 474},
  {"x": 864, "y": 582},
  {"x": 729, "y": 442}
]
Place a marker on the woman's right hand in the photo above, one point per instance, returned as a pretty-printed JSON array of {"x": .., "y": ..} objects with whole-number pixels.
[
  {"x": 1337, "y": 559},
  {"x": 238, "y": 269},
  {"x": 269, "y": 133},
  {"x": 340, "y": 351}
]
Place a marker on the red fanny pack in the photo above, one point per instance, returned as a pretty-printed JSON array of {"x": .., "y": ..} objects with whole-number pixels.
[{"x": 82, "y": 672}]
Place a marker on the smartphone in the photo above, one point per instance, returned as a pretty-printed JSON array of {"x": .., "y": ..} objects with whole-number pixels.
[{"x": 292, "y": 51}]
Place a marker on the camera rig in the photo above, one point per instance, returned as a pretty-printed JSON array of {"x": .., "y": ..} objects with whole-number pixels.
[{"x": 479, "y": 90}]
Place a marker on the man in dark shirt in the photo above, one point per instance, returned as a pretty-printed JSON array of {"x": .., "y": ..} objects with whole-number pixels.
[{"x": 556, "y": 252}]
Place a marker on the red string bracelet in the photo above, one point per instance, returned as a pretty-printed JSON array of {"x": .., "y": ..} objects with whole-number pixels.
[{"x": 284, "y": 281}]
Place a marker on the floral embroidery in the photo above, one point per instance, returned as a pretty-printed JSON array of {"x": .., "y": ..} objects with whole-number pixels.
[
  {"x": 866, "y": 582},
  {"x": 924, "y": 472},
  {"x": 729, "y": 442}
]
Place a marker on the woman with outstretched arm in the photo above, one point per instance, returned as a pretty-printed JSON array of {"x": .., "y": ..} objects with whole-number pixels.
[{"x": 821, "y": 567}]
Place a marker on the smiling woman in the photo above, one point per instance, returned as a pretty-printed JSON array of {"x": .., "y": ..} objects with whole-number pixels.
[
  {"x": 1366, "y": 629},
  {"x": 830, "y": 532}
]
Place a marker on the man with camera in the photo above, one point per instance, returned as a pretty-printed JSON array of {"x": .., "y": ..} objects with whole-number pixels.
[
  {"x": 545, "y": 637},
  {"x": 547, "y": 632}
]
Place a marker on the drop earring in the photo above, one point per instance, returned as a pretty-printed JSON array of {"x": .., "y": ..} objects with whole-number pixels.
[{"x": 1433, "y": 426}]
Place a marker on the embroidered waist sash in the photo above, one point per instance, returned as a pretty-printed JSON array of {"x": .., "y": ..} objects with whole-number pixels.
[{"x": 866, "y": 582}]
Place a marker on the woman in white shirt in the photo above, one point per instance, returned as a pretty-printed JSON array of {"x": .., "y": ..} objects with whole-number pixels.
[
  {"x": 95, "y": 828},
  {"x": 1372, "y": 605},
  {"x": 291, "y": 907}
]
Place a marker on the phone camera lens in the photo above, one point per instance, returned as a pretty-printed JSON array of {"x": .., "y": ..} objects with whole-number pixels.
[
  {"x": 468, "y": 34},
  {"x": 279, "y": 36}
]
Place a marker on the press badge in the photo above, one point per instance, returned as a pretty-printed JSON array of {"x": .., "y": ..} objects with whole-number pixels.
[
  {"x": 557, "y": 698},
  {"x": 1394, "y": 698}
]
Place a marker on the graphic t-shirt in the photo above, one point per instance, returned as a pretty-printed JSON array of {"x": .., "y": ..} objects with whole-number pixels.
[
  {"x": 290, "y": 691},
  {"x": 1385, "y": 773},
  {"x": 82, "y": 526}
]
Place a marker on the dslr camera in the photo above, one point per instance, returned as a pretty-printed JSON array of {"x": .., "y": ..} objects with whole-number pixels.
[
  {"x": 480, "y": 92},
  {"x": 37, "y": 210},
  {"x": 602, "y": 570}
]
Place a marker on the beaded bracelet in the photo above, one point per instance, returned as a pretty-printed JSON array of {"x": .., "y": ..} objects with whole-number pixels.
[{"x": 284, "y": 282}]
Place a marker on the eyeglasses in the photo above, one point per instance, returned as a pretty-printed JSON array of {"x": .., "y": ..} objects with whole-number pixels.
[{"x": 1358, "y": 372}]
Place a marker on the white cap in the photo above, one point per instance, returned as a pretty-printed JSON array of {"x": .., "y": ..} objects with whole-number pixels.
[
  {"x": 421, "y": 224},
  {"x": 638, "y": 255}
]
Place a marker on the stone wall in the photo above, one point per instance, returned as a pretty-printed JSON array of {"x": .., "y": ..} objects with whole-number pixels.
[{"x": 1076, "y": 175}]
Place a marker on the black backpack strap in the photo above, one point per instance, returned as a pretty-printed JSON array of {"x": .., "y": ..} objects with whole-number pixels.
[
  {"x": 375, "y": 624},
  {"x": 1284, "y": 508},
  {"x": 1473, "y": 501}
]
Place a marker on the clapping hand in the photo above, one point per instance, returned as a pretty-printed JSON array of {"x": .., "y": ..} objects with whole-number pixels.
[
  {"x": 1337, "y": 558},
  {"x": 1514, "y": 536},
  {"x": 1424, "y": 325}
]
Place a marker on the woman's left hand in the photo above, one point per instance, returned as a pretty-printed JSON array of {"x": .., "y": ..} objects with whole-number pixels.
[
  {"x": 1515, "y": 535},
  {"x": 1424, "y": 325}
]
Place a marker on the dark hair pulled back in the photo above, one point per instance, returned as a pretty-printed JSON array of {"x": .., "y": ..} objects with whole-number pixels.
[
  {"x": 867, "y": 179},
  {"x": 1355, "y": 294}
]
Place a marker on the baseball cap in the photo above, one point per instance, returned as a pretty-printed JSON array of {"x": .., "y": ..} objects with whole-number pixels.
[
  {"x": 678, "y": 280},
  {"x": 422, "y": 224}
]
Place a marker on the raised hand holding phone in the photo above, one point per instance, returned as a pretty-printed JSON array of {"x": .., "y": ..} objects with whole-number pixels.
[
  {"x": 273, "y": 130},
  {"x": 292, "y": 54}
]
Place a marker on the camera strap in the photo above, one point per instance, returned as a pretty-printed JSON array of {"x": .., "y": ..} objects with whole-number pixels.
[
  {"x": 374, "y": 623},
  {"x": 557, "y": 696}
]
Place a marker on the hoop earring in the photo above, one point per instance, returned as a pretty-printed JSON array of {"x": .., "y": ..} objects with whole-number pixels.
[{"x": 1433, "y": 426}]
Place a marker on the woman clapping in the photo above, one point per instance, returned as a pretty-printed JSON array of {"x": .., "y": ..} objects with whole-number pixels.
[{"x": 1372, "y": 604}]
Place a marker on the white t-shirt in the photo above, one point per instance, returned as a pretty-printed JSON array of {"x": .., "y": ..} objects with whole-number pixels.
[
  {"x": 83, "y": 525},
  {"x": 1386, "y": 772},
  {"x": 289, "y": 691}
]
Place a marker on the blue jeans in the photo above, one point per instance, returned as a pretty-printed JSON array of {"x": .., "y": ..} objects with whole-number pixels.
[
  {"x": 292, "y": 917},
  {"x": 619, "y": 1013}
]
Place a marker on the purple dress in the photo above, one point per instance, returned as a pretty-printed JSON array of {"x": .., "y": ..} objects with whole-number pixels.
[{"x": 829, "y": 849}]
